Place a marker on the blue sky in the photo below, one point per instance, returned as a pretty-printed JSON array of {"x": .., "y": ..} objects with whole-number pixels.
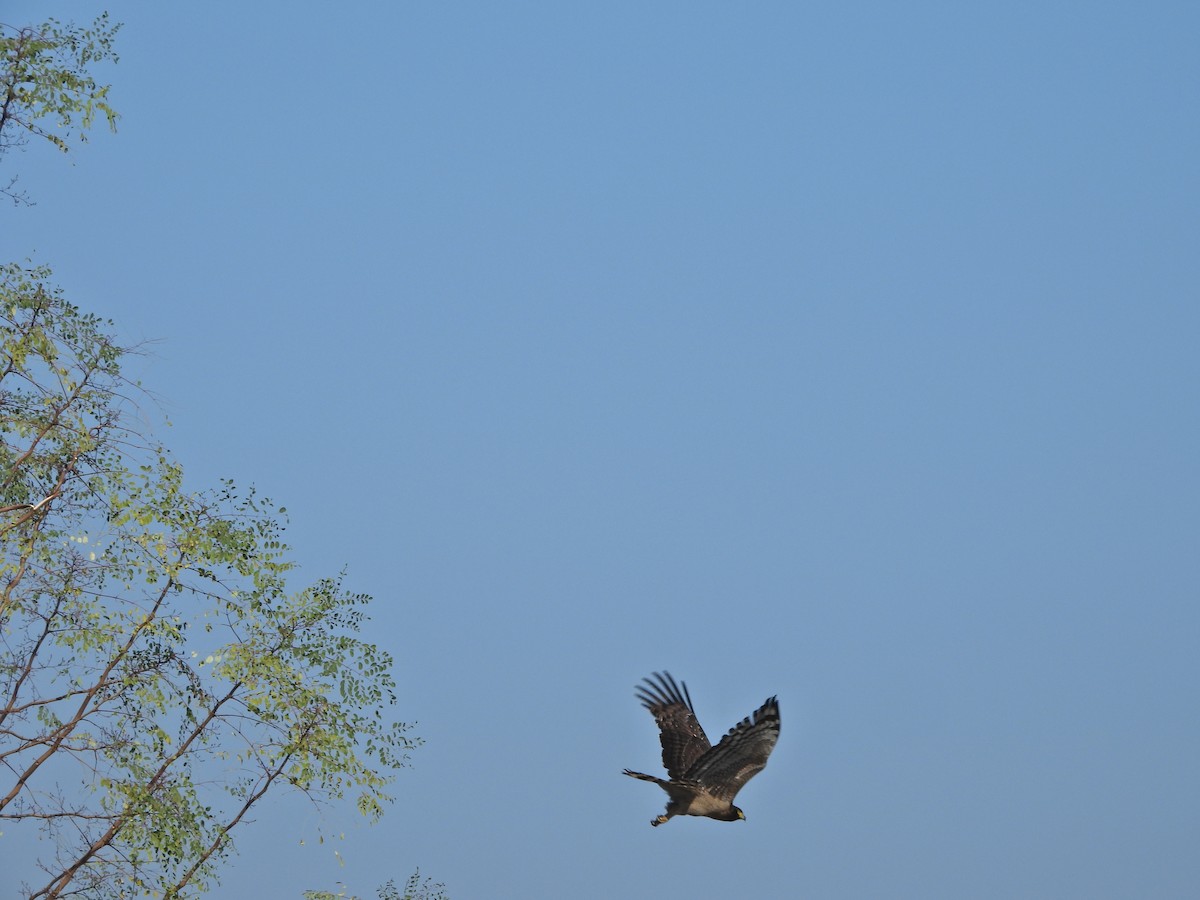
[{"x": 845, "y": 352}]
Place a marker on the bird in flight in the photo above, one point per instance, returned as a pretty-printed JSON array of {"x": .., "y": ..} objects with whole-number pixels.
[{"x": 704, "y": 779}]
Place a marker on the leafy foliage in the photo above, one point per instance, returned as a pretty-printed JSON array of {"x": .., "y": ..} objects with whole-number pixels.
[
  {"x": 415, "y": 888},
  {"x": 158, "y": 676},
  {"x": 46, "y": 88}
]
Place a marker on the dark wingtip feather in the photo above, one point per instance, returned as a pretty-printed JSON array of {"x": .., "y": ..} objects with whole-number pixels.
[
  {"x": 662, "y": 690},
  {"x": 769, "y": 710}
]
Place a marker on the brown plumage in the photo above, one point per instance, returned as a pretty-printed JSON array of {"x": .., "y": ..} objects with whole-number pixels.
[{"x": 704, "y": 779}]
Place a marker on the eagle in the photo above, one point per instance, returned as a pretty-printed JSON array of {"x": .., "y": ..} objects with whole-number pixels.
[{"x": 704, "y": 779}]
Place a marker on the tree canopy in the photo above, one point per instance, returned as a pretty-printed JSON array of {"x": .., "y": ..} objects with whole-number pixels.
[
  {"x": 47, "y": 89},
  {"x": 160, "y": 669}
]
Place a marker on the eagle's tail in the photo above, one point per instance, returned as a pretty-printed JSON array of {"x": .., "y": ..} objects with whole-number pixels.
[{"x": 644, "y": 777}]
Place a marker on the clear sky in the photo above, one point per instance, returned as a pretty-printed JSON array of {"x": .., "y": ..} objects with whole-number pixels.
[{"x": 841, "y": 351}]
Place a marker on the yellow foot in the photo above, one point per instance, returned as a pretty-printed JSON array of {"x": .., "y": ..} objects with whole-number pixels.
[{"x": 658, "y": 821}]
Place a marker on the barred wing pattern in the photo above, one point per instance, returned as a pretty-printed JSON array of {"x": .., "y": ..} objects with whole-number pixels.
[
  {"x": 683, "y": 740},
  {"x": 738, "y": 756}
]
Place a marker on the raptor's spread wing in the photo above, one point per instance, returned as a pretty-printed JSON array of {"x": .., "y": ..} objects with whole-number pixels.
[
  {"x": 739, "y": 756},
  {"x": 683, "y": 740}
]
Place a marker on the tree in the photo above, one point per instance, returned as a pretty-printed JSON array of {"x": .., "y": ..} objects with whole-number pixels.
[
  {"x": 159, "y": 674},
  {"x": 46, "y": 78}
]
